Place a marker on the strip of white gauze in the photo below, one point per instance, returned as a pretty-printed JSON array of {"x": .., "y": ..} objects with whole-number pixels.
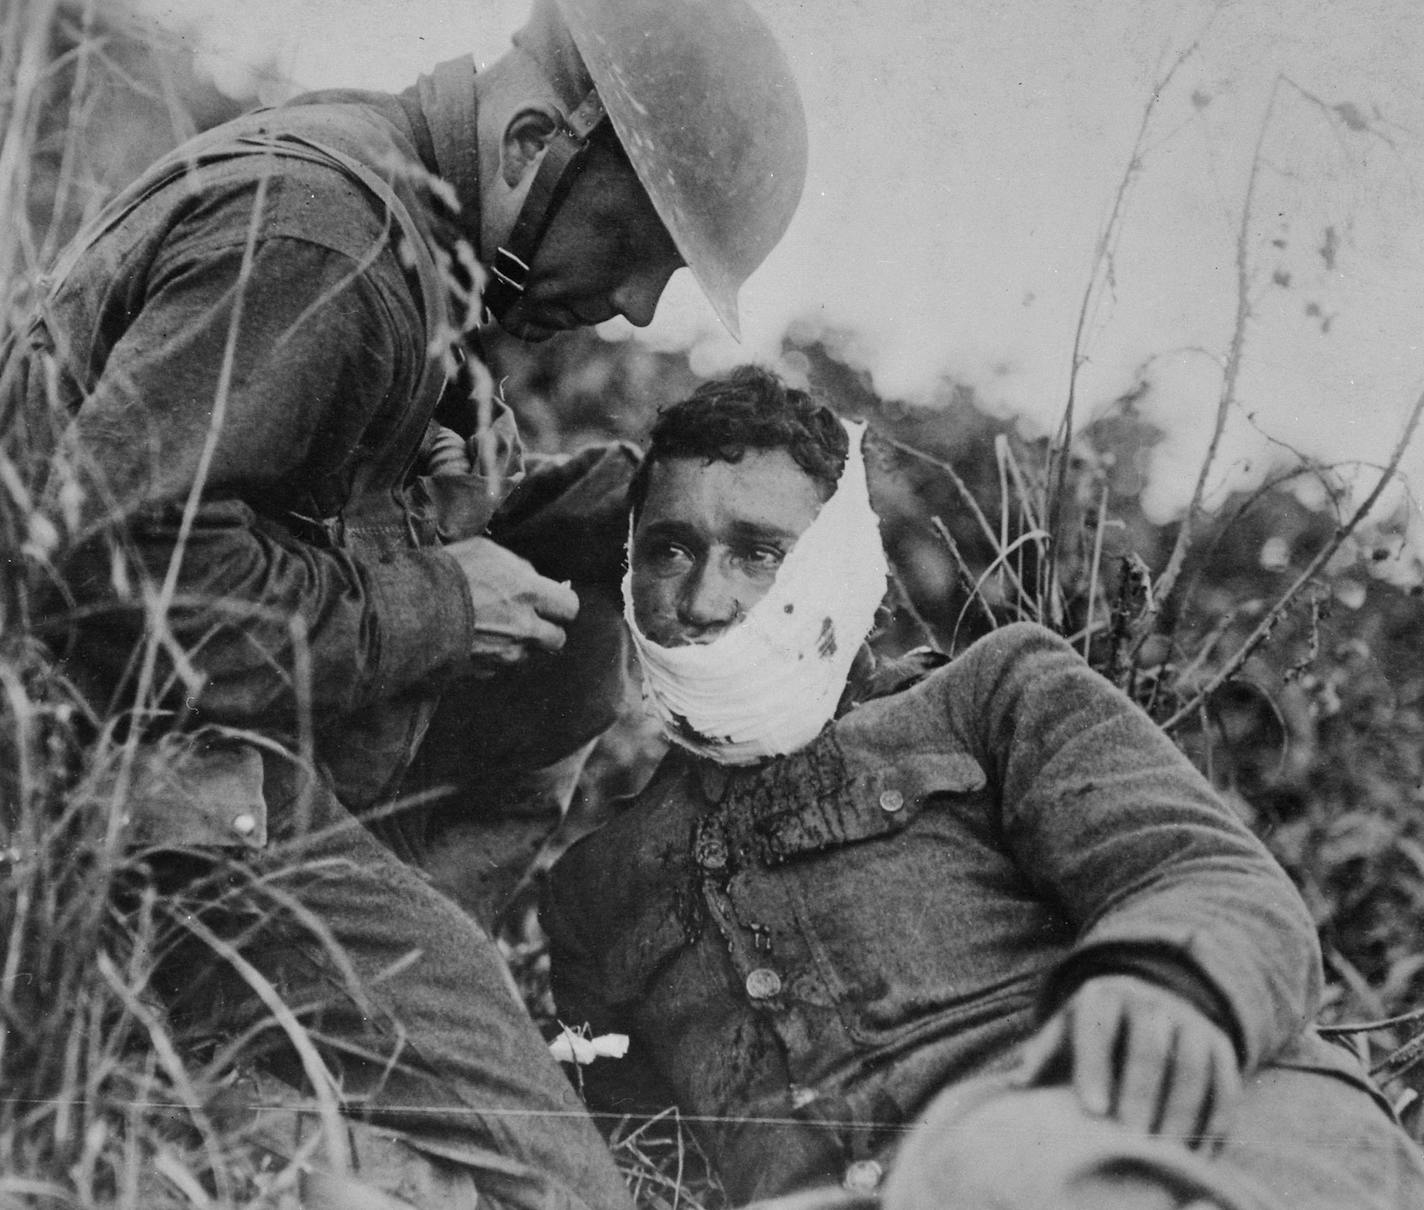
[{"x": 769, "y": 684}]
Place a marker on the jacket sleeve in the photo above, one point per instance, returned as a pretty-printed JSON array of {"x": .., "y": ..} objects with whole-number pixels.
[
  {"x": 569, "y": 517},
  {"x": 236, "y": 375},
  {"x": 1107, "y": 817}
]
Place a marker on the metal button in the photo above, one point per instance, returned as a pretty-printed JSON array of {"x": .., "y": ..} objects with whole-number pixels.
[
  {"x": 711, "y": 853},
  {"x": 863, "y": 1176},
  {"x": 891, "y": 801},
  {"x": 244, "y": 824},
  {"x": 763, "y": 983}
]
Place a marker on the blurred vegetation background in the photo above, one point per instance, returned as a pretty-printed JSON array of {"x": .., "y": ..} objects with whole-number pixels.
[{"x": 1278, "y": 638}]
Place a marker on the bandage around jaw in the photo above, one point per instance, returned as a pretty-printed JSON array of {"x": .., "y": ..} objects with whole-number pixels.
[{"x": 769, "y": 684}]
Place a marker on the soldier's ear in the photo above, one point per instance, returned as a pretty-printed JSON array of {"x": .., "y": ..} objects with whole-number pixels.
[{"x": 525, "y": 139}]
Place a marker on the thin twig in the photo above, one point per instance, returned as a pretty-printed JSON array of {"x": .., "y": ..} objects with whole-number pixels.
[
  {"x": 1094, "y": 566},
  {"x": 1231, "y": 372},
  {"x": 897, "y": 582},
  {"x": 1102, "y": 259},
  {"x": 1365, "y": 1027},
  {"x": 1322, "y": 557},
  {"x": 966, "y": 577},
  {"x": 960, "y": 487}
]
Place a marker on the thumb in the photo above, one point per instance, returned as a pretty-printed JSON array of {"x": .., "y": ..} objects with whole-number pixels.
[{"x": 1041, "y": 1050}]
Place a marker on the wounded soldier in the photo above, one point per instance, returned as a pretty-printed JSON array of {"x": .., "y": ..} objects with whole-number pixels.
[{"x": 951, "y": 934}]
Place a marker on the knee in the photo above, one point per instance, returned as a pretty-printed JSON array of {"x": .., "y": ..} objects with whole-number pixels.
[
  {"x": 1025, "y": 1149},
  {"x": 974, "y": 1147}
]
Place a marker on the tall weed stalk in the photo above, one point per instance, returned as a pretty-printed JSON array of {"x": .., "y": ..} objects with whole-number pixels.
[{"x": 106, "y": 1101}]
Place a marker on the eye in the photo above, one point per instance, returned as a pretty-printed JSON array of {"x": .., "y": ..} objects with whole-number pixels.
[
  {"x": 761, "y": 558},
  {"x": 663, "y": 557}
]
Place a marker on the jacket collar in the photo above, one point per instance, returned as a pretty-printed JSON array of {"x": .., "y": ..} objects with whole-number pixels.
[{"x": 870, "y": 677}]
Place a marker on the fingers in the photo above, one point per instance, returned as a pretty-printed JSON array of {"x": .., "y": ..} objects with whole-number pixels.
[
  {"x": 1149, "y": 1050},
  {"x": 1096, "y": 1025},
  {"x": 516, "y": 610},
  {"x": 1144, "y": 1056},
  {"x": 1215, "y": 1121},
  {"x": 556, "y": 602},
  {"x": 1201, "y": 1090},
  {"x": 533, "y": 633},
  {"x": 1186, "y": 1095}
]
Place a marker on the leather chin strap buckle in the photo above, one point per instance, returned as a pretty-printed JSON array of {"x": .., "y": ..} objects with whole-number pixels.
[
  {"x": 563, "y": 162},
  {"x": 510, "y": 274}
]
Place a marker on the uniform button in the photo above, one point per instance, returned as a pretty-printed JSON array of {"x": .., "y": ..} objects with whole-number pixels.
[
  {"x": 711, "y": 854},
  {"x": 244, "y": 824},
  {"x": 891, "y": 801},
  {"x": 763, "y": 983},
  {"x": 863, "y": 1176}
]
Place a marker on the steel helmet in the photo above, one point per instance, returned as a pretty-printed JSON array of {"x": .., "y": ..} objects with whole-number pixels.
[{"x": 704, "y": 104}]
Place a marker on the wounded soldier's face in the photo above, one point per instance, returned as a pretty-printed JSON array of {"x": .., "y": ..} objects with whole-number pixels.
[{"x": 710, "y": 538}]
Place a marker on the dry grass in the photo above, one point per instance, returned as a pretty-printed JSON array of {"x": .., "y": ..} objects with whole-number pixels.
[{"x": 108, "y": 1104}]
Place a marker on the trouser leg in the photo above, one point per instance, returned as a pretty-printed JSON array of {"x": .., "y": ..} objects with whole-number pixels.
[
  {"x": 411, "y": 1006},
  {"x": 985, "y": 1145},
  {"x": 1301, "y": 1140}
]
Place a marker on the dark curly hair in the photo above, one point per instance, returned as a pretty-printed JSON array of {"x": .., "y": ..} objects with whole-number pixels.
[{"x": 749, "y": 409}]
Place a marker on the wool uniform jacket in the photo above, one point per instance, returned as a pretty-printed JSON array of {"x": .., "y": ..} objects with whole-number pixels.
[
  {"x": 805, "y": 951},
  {"x": 272, "y": 317}
]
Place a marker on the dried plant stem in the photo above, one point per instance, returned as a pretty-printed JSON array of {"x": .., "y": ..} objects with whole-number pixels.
[
  {"x": 1231, "y": 372},
  {"x": 1094, "y": 568},
  {"x": 897, "y": 582},
  {"x": 24, "y": 69},
  {"x": 328, "y": 1109},
  {"x": 1412, "y": 1017},
  {"x": 172, "y": 1063},
  {"x": 1059, "y": 450},
  {"x": 960, "y": 487},
  {"x": 1322, "y": 557},
  {"x": 966, "y": 577}
]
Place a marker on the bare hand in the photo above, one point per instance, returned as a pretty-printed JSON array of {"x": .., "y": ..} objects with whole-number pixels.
[
  {"x": 1141, "y": 1054},
  {"x": 517, "y": 610}
]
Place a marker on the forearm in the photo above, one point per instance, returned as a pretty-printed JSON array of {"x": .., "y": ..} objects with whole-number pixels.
[{"x": 269, "y": 625}]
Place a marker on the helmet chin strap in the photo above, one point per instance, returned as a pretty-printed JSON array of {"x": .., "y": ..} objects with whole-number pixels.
[{"x": 564, "y": 159}]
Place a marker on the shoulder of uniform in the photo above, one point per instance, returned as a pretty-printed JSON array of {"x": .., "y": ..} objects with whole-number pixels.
[
  {"x": 1016, "y": 641},
  {"x": 873, "y": 678},
  {"x": 1010, "y": 655},
  {"x": 319, "y": 203}
]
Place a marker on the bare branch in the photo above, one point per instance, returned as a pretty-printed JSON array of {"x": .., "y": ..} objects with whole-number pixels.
[
  {"x": 1102, "y": 264},
  {"x": 1322, "y": 557},
  {"x": 1227, "y": 399}
]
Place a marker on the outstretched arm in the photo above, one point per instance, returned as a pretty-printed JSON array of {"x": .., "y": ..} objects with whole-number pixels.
[{"x": 1195, "y": 957}]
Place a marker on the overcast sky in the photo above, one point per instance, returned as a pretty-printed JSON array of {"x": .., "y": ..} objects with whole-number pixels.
[{"x": 965, "y": 158}]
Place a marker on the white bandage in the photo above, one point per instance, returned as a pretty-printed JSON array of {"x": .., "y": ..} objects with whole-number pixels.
[{"x": 769, "y": 684}]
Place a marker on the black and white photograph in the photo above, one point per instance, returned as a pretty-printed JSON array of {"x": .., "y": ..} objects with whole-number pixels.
[{"x": 711, "y": 605}]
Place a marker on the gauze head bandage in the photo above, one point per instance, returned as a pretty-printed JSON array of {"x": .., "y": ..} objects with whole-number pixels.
[{"x": 770, "y": 683}]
